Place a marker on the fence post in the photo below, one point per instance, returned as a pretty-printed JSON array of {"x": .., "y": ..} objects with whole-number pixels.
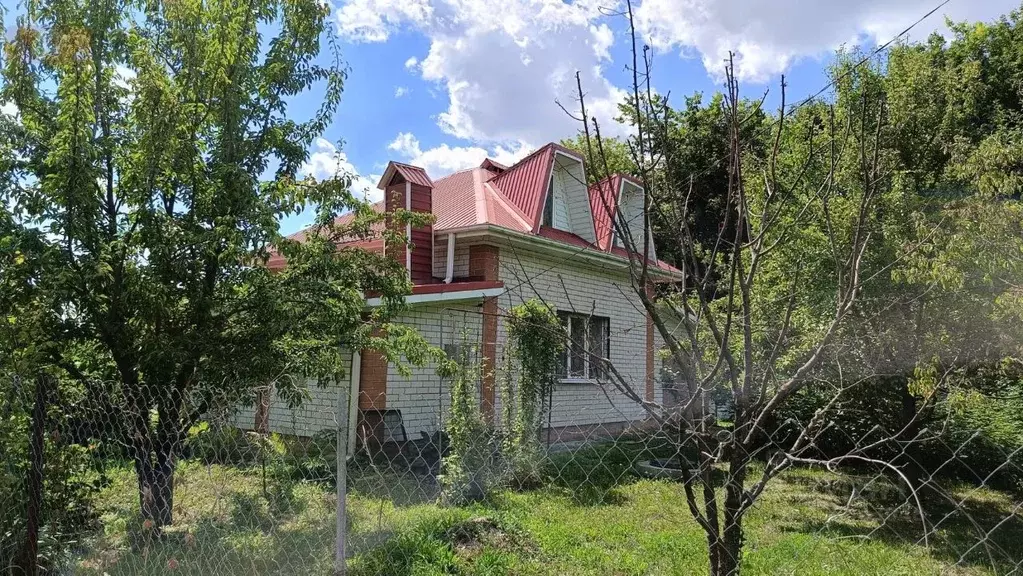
[
  {"x": 30, "y": 553},
  {"x": 343, "y": 400}
]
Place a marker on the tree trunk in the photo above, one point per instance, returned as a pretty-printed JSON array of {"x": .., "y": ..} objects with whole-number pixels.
[
  {"x": 156, "y": 487},
  {"x": 729, "y": 560},
  {"x": 910, "y": 456}
]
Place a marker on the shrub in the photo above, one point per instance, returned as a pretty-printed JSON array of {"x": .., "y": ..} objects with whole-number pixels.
[
  {"x": 472, "y": 467},
  {"x": 537, "y": 340},
  {"x": 70, "y": 484},
  {"x": 979, "y": 435},
  {"x": 220, "y": 444}
]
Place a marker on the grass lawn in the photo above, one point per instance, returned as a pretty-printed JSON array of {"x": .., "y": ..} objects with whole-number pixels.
[{"x": 595, "y": 518}]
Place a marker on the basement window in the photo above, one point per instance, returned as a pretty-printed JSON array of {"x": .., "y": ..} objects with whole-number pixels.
[{"x": 589, "y": 340}]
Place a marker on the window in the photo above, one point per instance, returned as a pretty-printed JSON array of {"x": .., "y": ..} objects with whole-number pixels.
[
  {"x": 589, "y": 339},
  {"x": 548, "y": 206}
]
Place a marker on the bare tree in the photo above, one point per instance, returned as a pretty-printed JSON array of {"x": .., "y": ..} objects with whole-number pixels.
[{"x": 741, "y": 319}]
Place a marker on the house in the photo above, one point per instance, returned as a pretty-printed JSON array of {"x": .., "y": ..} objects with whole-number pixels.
[{"x": 503, "y": 235}]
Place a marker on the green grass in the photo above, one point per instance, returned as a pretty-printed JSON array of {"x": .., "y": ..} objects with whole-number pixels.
[{"x": 594, "y": 518}]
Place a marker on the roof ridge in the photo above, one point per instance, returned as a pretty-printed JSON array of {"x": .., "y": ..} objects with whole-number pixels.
[
  {"x": 518, "y": 164},
  {"x": 480, "y": 196}
]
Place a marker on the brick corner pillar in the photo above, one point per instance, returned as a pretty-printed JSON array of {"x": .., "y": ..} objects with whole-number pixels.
[
  {"x": 485, "y": 264},
  {"x": 650, "y": 370},
  {"x": 373, "y": 384}
]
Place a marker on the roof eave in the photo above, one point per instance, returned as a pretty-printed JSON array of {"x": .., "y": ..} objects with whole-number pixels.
[{"x": 594, "y": 253}]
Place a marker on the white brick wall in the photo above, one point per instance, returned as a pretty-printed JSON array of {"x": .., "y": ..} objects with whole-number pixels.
[
  {"x": 440, "y": 258},
  {"x": 423, "y": 397},
  {"x": 317, "y": 412},
  {"x": 574, "y": 286}
]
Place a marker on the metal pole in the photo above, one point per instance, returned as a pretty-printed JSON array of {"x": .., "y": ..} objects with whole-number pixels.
[
  {"x": 342, "y": 468},
  {"x": 35, "y": 478}
]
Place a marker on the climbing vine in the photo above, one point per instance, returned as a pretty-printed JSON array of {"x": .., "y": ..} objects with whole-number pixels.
[
  {"x": 471, "y": 467},
  {"x": 537, "y": 340}
]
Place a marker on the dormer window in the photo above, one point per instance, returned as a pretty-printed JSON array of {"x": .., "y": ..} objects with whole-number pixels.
[
  {"x": 566, "y": 204},
  {"x": 630, "y": 216},
  {"x": 548, "y": 206}
]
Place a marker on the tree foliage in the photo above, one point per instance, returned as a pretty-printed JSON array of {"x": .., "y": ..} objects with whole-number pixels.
[{"x": 143, "y": 180}]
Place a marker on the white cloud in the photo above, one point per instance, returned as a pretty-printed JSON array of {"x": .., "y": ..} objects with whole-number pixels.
[
  {"x": 9, "y": 109},
  {"x": 502, "y": 65},
  {"x": 401, "y": 91},
  {"x": 326, "y": 161},
  {"x": 444, "y": 159},
  {"x": 374, "y": 20},
  {"x": 768, "y": 37}
]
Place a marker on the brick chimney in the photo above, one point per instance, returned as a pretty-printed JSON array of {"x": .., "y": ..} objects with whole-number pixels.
[{"x": 408, "y": 187}]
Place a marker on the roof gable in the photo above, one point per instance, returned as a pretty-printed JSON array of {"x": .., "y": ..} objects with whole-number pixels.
[
  {"x": 525, "y": 183},
  {"x": 413, "y": 174}
]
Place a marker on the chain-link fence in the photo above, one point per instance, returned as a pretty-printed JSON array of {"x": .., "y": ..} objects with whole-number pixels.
[{"x": 597, "y": 487}]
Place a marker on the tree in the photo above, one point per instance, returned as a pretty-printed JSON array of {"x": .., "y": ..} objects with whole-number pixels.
[
  {"x": 150, "y": 162},
  {"x": 618, "y": 158},
  {"x": 689, "y": 145},
  {"x": 822, "y": 236}
]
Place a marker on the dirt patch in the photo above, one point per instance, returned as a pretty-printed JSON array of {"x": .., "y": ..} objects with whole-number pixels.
[{"x": 471, "y": 537}]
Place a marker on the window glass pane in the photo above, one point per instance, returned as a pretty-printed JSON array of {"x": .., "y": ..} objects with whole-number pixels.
[
  {"x": 598, "y": 345},
  {"x": 563, "y": 355},
  {"x": 548, "y": 207},
  {"x": 577, "y": 365}
]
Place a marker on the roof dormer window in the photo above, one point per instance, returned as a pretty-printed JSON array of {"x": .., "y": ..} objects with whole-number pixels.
[{"x": 548, "y": 205}]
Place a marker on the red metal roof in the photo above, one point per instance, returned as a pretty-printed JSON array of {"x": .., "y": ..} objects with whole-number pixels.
[
  {"x": 413, "y": 174},
  {"x": 661, "y": 264},
  {"x": 492, "y": 166},
  {"x": 469, "y": 198},
  {"x": 525, "y": 183},
  {"x": 603, "y": 203},
  {"x": 441, "y": 288},
  {"x": 505, "y": 197},
  {"x": 566, "y": 238}
]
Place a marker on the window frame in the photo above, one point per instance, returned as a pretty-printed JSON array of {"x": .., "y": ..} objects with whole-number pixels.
[{"x": 591, "y": 371}]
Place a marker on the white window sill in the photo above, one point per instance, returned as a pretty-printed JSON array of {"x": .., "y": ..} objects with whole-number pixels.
[{"x": 577, "y": 380}]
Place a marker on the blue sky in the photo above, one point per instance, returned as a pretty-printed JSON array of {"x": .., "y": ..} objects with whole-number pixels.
[{"x": 445, "y": 83}]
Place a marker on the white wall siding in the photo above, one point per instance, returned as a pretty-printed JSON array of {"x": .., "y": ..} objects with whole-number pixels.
[
  {"x": 631, "y": 210},
  {"x": 561, "y": 211},
  {"x": 572, "y": 181}
]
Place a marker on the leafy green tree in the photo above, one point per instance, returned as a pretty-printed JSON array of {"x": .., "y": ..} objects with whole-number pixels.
[
  {"x": 143, "y": 181},
  {"x": 616, "y": 159},
  {"x": 691, "y": 145},
  {"x": 868, "y": 242}
]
